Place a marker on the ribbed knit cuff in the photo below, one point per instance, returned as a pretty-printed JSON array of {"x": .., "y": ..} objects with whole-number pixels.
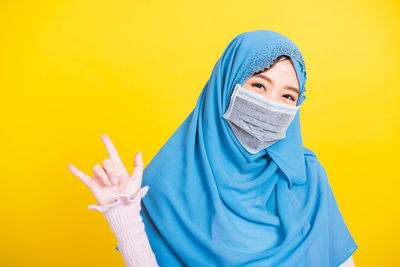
[{"x": 123, "y": 215}]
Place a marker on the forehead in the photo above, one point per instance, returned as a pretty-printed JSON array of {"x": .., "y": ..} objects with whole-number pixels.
[
  {"x": 280, "y": 63},
  {"x": 262, "y": 61}
]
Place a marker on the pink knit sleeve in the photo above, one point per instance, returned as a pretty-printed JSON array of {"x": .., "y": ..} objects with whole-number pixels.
[
  {"x": 127, "y": 225},
  {"x": 348, "y": 263}
]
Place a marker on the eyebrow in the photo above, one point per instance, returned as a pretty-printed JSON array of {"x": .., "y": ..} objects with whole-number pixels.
[{"x": 260, "y": 75}]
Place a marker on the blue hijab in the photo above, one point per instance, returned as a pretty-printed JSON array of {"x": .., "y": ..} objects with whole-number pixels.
[{"x": 212, "y": 203}]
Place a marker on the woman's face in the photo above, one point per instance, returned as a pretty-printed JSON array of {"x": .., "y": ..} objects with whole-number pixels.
[{"x": 278, "y": 83}]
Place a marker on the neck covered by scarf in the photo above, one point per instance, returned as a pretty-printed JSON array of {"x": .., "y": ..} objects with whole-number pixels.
[{"x": 212, "y": 203}]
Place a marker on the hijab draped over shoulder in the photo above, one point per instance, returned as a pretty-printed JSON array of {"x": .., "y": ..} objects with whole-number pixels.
[{"x": 212, "y": 203}]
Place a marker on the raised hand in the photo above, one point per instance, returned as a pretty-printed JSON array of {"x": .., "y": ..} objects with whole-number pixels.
[{"x": 112, "y": 178}]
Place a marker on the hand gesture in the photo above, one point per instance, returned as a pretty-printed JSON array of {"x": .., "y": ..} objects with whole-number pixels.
[{"x": 112, "y": 178}]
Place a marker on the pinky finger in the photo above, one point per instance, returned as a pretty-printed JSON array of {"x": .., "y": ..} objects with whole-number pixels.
[{"x": 86, "y": 179}]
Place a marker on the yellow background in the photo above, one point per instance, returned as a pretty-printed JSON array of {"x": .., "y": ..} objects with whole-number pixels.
[{"x": 72, "y": 70}]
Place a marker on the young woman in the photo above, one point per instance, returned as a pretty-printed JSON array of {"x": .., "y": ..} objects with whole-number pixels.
[{"x": 234, "y": 185}]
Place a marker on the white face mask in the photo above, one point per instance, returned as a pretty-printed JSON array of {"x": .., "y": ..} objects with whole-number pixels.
[{"x": 257, "y": 121}]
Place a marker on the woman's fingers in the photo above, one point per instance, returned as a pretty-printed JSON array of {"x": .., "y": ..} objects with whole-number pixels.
[
  {"x": 108, "y": 166},
  {"x": 138, "y": 167},
  {"x": 112, "y": 151},
  {"x": 100, "y": 174},
  {"x": 119, "y": 167},
  {"x": 86, "y": 179}
]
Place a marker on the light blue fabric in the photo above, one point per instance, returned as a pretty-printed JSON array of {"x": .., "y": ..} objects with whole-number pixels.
[{"x": 211, "y": 203}]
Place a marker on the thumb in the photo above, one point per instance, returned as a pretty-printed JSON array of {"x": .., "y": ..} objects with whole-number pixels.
[{"x": 138, "y": 167}]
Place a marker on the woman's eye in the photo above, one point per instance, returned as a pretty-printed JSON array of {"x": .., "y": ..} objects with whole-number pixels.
[
  {"x": 258, "y": 85},
  {"x": 291, "y": 97}
]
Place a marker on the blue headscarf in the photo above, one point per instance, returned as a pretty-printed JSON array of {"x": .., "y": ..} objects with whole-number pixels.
[{"x": 212, "y": 203}]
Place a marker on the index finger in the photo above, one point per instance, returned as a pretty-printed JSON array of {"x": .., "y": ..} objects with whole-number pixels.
[
  {"x": 81, "y": 175},
  {"x": 112, "y": 151}
]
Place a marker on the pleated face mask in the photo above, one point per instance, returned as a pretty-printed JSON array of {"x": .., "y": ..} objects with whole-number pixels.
[{"x": 257, "y": 121}]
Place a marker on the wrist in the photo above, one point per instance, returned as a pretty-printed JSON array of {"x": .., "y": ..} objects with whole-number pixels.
[
  {"x": 106, "y": 202},
  {"x": 121, "y": 199}
]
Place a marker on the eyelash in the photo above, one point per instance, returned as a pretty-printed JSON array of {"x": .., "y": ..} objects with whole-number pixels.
[{"x": 264, "y": 88}]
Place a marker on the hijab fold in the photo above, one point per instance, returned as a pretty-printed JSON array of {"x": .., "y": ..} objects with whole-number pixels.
[{"x": 212, "y": 203}]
